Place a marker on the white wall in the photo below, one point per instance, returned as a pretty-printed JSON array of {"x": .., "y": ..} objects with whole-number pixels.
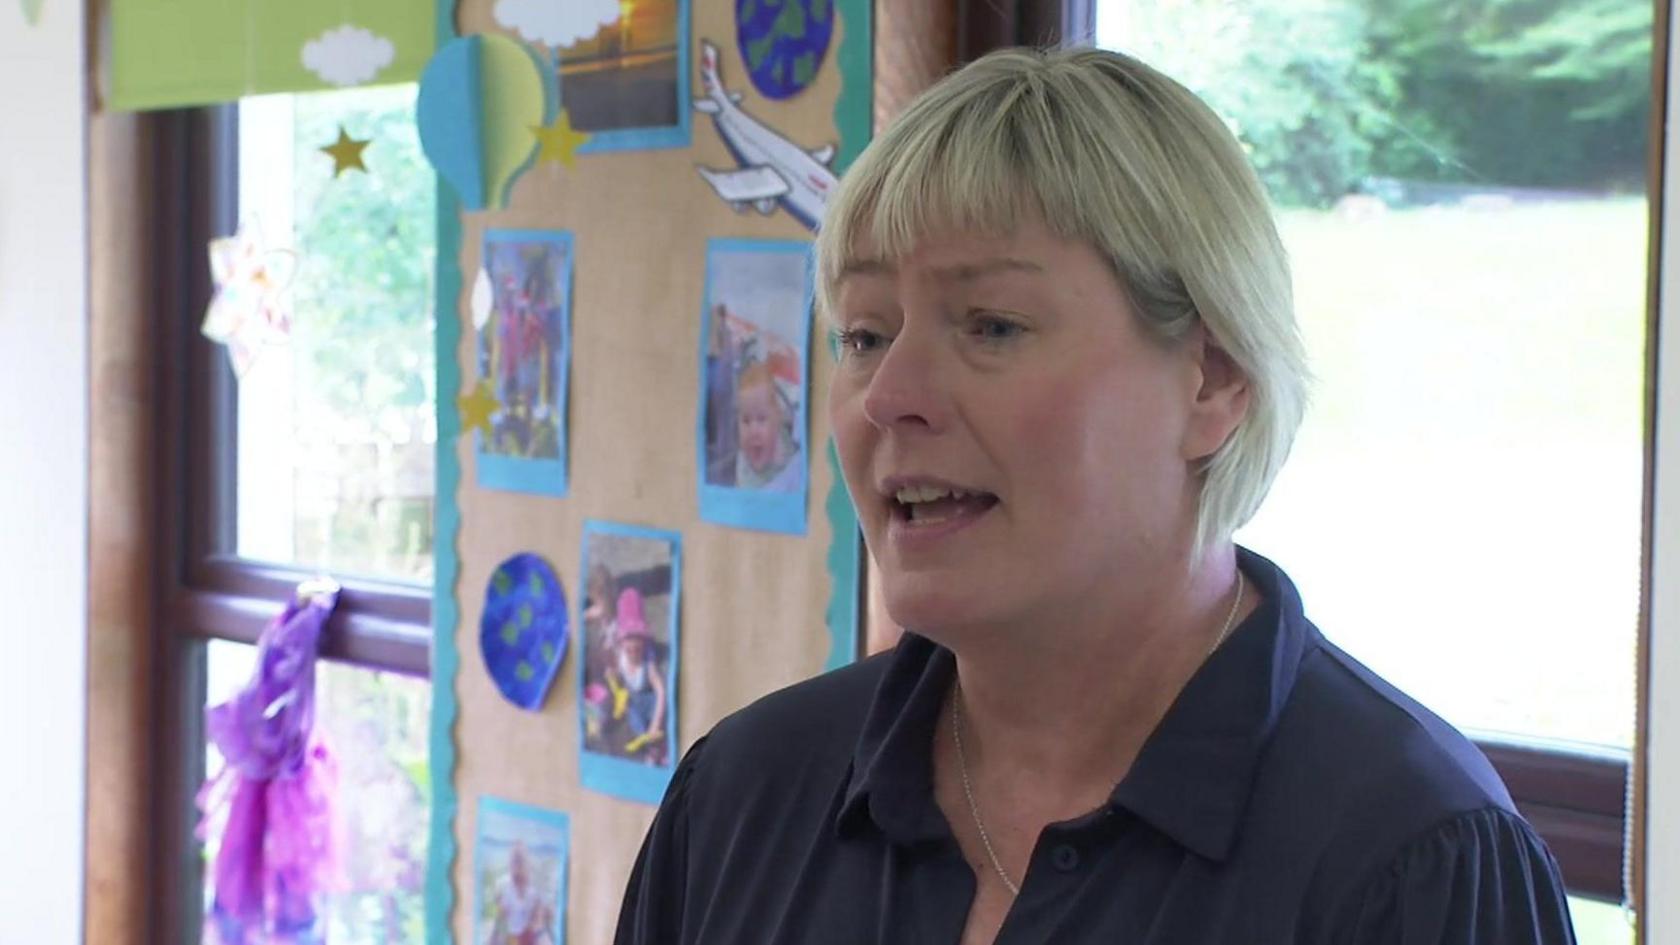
[
  {"x": 43, "y": 473},
  {"x": 1662, "y": 884}
]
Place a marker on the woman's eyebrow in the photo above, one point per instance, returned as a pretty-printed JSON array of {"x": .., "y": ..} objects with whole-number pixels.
[
  {"x": 974, "y": 271},
  {"x": 866, "y": 267}
]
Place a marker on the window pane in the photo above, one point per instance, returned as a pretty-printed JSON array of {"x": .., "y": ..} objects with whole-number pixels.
[
  {"x": 1600, "y": 923},
  {"x": 376, "y": 725},
  {"x": 337, "y": 428},
  {"x": 1462, "y": 191}
]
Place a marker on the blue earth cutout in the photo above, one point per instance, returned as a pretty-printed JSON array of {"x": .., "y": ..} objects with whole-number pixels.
[
  {"x": 523, "y": 633},
  {"x": 783, "y": 42}
]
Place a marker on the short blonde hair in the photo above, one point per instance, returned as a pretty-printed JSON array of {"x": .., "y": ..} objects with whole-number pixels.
[{"x": 1101, "y": 148}]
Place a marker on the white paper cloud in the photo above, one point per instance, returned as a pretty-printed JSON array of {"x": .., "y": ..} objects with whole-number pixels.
[
  {"x": 347, "y": 55},
  {"x": 556, "y": 22}
]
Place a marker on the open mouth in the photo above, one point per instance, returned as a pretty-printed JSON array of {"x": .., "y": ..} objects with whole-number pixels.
[{"x": 931, "y": 505}]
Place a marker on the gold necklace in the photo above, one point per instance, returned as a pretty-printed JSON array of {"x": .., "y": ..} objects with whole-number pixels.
[{"x": 962, "y": 760}]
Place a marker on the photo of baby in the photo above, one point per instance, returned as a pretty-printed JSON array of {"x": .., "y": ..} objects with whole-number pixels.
[
  {"x": 628, "y": 670},
  {"x": 519, "y": 867},
  {"x": 753, "y": 460},
  {"x": 523, "y": 353}
]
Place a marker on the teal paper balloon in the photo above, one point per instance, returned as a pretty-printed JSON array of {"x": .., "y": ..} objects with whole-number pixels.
[{"x": 480, "y": 96}]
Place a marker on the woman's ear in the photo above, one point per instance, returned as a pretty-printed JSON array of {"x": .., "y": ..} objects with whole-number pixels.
[{"x": 1221, "y": 400}]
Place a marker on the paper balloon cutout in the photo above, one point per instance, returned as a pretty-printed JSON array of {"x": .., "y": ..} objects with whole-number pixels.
[
  {"x": 479, "y": 98},
  {"x": 783, "y": 43},
  {"x": 249, "y": 310},
  {"x": 523, "y": 633}
]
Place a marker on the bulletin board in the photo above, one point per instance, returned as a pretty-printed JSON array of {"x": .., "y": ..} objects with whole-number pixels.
[{"x": 643, "y": 248}]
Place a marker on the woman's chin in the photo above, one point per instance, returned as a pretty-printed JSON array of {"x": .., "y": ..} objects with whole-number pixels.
[{"x": 938, "y": 610}]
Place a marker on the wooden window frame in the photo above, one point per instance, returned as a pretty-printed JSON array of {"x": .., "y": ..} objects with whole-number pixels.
[{"x": 202, "y": 590}]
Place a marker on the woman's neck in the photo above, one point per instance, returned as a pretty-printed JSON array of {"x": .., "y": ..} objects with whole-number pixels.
[{"x": 1069, "y": 701}]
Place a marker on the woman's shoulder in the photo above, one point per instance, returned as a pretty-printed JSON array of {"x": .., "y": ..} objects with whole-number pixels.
[
  {"x": 1389, "y": 740},
  {"x": 1359, "y": 772}
]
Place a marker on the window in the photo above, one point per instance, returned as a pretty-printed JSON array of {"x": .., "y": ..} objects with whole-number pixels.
[
  {"x": 337, "y": 429},
  {"x": 315, "y": 458},
  {"x": 1464, "y": 205},
  {"x": 1462, "y": 189}
]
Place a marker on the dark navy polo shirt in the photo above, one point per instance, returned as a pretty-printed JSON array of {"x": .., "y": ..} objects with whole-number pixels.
[{"x": 1289, "y": 795}]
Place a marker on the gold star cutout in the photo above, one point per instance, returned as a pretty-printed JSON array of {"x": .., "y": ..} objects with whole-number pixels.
[
  {"x": 346, "y": 153},
  {"x": 558, "y": 141},
  {"x": 477, "y": 407}
]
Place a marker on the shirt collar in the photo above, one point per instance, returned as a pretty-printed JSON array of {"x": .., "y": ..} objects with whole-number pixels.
[{"x": 1191, "y": 779}]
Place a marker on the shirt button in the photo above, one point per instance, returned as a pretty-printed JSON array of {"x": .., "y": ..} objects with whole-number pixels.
[{"x": 1065, "y": 858}]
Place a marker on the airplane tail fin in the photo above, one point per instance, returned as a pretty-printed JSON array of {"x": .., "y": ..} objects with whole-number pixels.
[{"x": 709, "y": 60}]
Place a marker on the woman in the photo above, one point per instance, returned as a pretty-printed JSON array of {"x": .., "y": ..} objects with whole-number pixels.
[{"x": 1070, "y": 371}]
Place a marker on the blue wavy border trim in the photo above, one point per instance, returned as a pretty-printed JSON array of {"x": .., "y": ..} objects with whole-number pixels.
[
  {"x": 854, "y": 120},
  {"x": 854, "y": 109},
  {"x": 446, "y": 526}
]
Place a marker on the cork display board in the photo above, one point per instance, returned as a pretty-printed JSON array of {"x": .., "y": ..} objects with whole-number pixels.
[{"x": 625, "y": 555}]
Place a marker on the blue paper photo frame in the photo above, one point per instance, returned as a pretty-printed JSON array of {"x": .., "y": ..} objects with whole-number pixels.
[
  {"x": 753, "y": 428},
  {"x": 628, "y": 654},
  {"x": 598, "y": 84},
  {"x": 524, "y": 353},
  {"x": 520, "y": 859}
]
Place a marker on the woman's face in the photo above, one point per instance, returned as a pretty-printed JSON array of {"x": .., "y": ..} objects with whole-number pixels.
[
  {"x": 1013, "y": 441},
  {"x": 759, "y": 423}
]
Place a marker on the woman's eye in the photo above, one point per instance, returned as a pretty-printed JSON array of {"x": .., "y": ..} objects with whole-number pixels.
[
  {"x": 856, "y": 341},
  {"x": 994, "y": 328}
]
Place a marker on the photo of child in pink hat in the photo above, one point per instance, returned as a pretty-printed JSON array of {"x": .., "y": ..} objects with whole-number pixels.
[
  {"x": 627, "y": 696},
  {"x": 638, "y": 694}
]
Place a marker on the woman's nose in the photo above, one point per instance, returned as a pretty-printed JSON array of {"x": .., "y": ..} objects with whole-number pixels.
[{"x": 904, "y": 391}]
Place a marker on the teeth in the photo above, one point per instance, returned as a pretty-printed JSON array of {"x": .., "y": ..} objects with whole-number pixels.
[{"x": 910, "y": 495}]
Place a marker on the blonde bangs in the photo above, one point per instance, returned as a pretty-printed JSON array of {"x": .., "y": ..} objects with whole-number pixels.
[{"x": 962, "y": 158}]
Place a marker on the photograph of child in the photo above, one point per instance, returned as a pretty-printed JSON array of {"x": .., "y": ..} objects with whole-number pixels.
[
  {"x": 753, "y": 461},
  {"x": 520, "y": 874},
  {"x": 629, "y": 666},
  {"x": 523, "y": 352},
  {"x": 626, "y": 84}
]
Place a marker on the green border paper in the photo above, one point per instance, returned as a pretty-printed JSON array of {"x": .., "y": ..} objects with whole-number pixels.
[{"x": 199, "y": 52}]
